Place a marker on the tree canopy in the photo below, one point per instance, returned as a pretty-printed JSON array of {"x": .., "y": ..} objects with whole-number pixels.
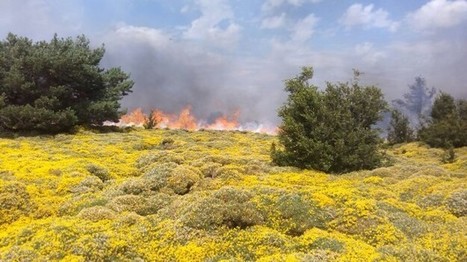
[
  {"x": 329, "y": 130},
  {"x": 53, "y": 86},
  {"x": 448, "y": 124},
  {"x": 399, "y": 130}
]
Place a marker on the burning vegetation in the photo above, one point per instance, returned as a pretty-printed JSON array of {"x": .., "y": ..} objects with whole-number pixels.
[{"x": 187, "y": 121}]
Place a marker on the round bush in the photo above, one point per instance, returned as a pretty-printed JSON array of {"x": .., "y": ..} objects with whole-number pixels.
[
  {"x": 135, "y": 186},
  {"x": 130, "y": 203},
  {"x": 100, "y": 172},
  {"x": 90, "y": 184},
  {"x": 155, "y": 203},
  {"x": 182, "y": 179},
  {"x": 228, "y": 207},
  {"x": 299, "y": 214},
  {"x": 457, "y": 203},
  {"x": 14, "y": 202},
  {"x": 156, "y": 177}
]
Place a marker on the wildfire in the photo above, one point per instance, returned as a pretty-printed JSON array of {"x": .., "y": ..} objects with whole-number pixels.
[{"x": 186, "y": 120}]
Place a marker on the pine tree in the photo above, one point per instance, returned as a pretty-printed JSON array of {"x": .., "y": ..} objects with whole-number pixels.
[{"x": 53, "y": 86}]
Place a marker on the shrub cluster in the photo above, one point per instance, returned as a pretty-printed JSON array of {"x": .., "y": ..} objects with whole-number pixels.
[
  {"x": 228, "y": 206},
  {"x": 448, "y": 125},
  {"x": 317, "y": 134},
  {"x": 14, "y": 202}
]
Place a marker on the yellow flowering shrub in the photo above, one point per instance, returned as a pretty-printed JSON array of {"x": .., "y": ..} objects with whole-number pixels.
[{"x": 175, "y": 195}]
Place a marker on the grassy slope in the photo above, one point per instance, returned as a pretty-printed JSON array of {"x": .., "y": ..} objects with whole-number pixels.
[{"x": 194, "y": 196}]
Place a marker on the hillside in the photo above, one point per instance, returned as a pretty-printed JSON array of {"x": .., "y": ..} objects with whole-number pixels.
[{"x": 174, "y": 195}]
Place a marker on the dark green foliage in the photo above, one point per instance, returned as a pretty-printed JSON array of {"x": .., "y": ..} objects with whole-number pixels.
[
  {"x": 52, "y": 86},
  {"x": 443, "y": 107},
  {"x": 399, "y": 130},
  {"x": 448, "y": 125},
  {"x": 329, "y": 130}
]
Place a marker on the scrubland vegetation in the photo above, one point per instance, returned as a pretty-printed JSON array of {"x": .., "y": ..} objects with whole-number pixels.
[{"x": 173, "y": 195}]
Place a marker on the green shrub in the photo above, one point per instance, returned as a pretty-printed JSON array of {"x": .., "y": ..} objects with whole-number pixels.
[
  {"x": 399, "y": 130},
  {"x": 130, "y": 203},
  {"x": 325, "y": 243},
  {"x": 229, "y": 207},
  {"x": 167, "y": 143},
  {"x": 210, "y": 169},
  {"x": 410, "y": 226},
  {"x": 90, "y": 184},
  {"x": 431, "y": 201},
  {"x": 157, "y": 176},
  {"x": 182, "y": 179},
  {"x": 448, "y": 125},
  {"x": 14, "y": 202},
  {"x": 154, "y": 159},
  {"x": 457, "y": 203},
  {"x": 299, "y": 214},
  {"x": 317, "y": 134},
  {"x": 155, "y": 203},
  {"x": 100, "y": 172},
  {"x": 81, "y": 201},
  {"x": 135, "y": 186}
]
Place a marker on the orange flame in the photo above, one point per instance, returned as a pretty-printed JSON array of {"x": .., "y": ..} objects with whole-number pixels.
[
  {"x": 136, "y": 117},
  {"x": 185, "y": 120},
  {"x": 225, "y": 123}
]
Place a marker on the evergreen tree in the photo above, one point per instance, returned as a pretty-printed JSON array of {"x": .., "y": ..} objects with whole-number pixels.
[
  {"x": 417, "y": 102},
  {"x": 448, "y": 125},
  {"x": 399, "y": 130},
  {"x": 329, "y": 130},
  {"x": 52, "y": 86}
]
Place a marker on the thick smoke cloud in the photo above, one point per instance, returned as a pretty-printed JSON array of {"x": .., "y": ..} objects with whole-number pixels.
[{"x": 170, "y": 74}]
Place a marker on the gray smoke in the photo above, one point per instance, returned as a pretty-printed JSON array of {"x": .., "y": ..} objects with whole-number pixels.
[{"x": 170, "y": 74}]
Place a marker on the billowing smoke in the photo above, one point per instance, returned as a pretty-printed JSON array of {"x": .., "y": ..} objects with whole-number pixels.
[{"x": 170, "y": 74}]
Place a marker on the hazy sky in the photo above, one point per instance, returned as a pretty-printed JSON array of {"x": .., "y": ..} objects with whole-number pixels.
[{"x": 221, "y": 55}]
